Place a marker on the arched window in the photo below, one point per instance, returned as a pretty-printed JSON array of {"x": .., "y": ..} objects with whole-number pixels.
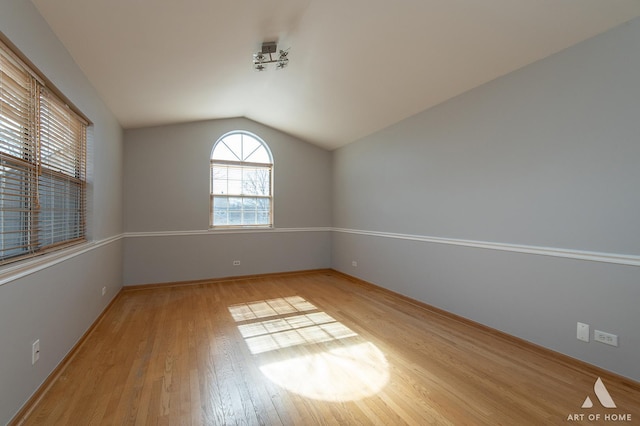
[{"x": 241, "y": 182}]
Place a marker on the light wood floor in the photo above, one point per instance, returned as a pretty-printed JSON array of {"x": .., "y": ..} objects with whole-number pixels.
[{"x": 311, "y": 348}]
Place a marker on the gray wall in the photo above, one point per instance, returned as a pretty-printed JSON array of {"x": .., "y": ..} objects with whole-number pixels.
[
  {"x": 167, "y": 206},
  {"x": 57, "y": 304},
  {"x": 547, "y": 157}
]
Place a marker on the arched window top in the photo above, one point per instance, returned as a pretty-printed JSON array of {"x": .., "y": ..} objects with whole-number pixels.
[{"x": 241, "y": 147}]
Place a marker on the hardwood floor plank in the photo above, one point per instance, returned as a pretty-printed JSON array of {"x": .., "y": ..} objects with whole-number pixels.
[{"x": 306, "y": 349}]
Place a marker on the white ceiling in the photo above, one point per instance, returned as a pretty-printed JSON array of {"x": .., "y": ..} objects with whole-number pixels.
[{"x": 356, "y": 66}]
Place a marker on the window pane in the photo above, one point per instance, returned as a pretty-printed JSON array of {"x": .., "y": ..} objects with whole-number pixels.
[
  {"x": 220, "y": 218},
  {"x": 16, "y": 214},
  {"x": 250, "y": 146},
  {"x": 257, "y": 181},
  {"x": 222, "y": 152},
  {"x": 235, "y": 211},
  {"x": 235, "y": 187},
  {"x": 259, "y": 156},
  {"x": 60, "y": 217},
  {"x": 234, "y": 144},
  {"x": 221, "y": 172},
  {"x": 235, "y": 203},
  {"x": 249, "y": 217},
  {"x": 254, "y": 151},
  {"x": 234, "y": 172},
  {"x": 221, "y": 203},
  {"x": 17, "y": 97},
  {"x": 263, "y": 217},
  {"x": 220, "y": 187},
  {"x": 249, "y": 203},
  {"x": 235, "y": 217},
  {"x": 220, "y": 211},
  {"x": 264, "y": 204}
]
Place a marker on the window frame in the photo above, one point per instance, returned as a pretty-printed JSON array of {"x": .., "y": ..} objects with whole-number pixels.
[
  {"x": 242, "y": 165},
  {"x": 48, "y": 176}
]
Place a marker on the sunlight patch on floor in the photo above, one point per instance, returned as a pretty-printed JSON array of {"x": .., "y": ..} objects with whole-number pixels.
[
  {"x": 321, "y": 358},
  {"x": 343, "y": 374},
  {"x": 297, "y": 330},
  {"x": 269, "y": 308}
]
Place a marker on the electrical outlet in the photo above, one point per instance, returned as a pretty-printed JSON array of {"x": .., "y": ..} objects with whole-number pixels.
[
  {"x": 104, "y": 290},
  {"x": 236, "y": 263},
  {"x": 583, "y": 332},
  {"x": 606, "y": 338},
  {"x": 354, "y": 263},
  {"x": 35, "y": 351}
]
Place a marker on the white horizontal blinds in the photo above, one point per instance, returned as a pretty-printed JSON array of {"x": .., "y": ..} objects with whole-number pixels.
[
  {"x": 62, "y": 172},
  {"x": 18, "y": 155},
  {"x": 241, "y": 195},
  {"x": 42, "y": 165}
]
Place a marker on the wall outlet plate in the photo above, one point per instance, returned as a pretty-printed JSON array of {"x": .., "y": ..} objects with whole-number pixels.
[
  {"x": 606, "y": 338},
  {"x": 35, "y": 351},
  {"x": 583, "y": 332}
]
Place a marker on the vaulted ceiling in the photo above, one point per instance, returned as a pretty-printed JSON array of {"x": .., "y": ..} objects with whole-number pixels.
[{"x": 356, "y": 66}]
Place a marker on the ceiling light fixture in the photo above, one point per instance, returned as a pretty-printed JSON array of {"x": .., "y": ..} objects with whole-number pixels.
[{"x": 266, "y": 56}]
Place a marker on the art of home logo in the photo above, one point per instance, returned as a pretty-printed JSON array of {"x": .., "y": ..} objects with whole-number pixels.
[{"x": 605, "y": 400}]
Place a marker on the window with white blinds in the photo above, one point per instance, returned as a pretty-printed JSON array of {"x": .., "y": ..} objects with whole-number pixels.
[
  {"x": 241, "y": 182},
  {"x": 42, "y": 165}
]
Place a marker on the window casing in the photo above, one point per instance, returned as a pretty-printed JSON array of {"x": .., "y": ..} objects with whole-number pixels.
[
  {"x": 241, "y": 182},
  {"x": 42, "y": 165}
]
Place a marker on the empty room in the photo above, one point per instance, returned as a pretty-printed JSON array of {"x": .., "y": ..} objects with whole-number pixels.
[{"x": 290, "y": 212}]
